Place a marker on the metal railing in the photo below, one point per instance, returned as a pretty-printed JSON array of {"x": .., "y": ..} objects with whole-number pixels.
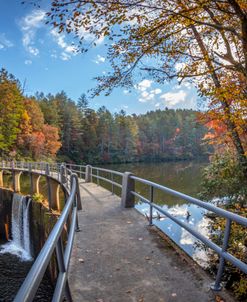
[
  {"x": 229, "y": 216},
  {"x": 54, "y": 242},
  {"x": 90, "y": 173},
  {"x": 128, "y": 194},
  {"x": 80, "y": 170},
  {"x": 128, "y": 183}
]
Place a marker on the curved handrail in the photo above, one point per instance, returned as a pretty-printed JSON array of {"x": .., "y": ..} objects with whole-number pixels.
[
  {"x": 205, "y": 205},
  {"x": 229, "y": 216},
  {"x": 128, "y": 190},
  {"x": 34, "y": 277}
]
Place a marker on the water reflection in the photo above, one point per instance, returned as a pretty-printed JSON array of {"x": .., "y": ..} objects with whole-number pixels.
[{"x": 184, "y": 177}]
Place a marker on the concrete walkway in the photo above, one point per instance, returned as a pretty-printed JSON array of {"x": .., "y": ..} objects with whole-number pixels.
[{"x": 118, "y": 258}]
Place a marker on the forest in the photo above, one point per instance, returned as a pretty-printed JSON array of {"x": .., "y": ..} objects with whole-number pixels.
[
  {"x": 203, "y": 41},
  {"x": 54, "y": 127}
]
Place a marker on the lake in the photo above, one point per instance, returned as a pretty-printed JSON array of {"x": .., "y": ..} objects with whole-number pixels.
[{"x": 185, "y": 177}]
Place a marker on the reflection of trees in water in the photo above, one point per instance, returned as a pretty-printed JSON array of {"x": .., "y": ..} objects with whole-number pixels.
[
  {"x": 181, "y": 176},
  {"x": 25, "y": 183}
]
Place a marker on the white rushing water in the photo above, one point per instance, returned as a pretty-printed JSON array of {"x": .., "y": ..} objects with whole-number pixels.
[{"x": 20, "y": 229}]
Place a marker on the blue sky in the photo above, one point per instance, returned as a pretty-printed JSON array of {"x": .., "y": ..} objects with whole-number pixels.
[{"x": 37, "y": 55}]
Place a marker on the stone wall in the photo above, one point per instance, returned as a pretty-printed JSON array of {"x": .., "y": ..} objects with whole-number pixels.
[
  {"x": 5, "y": 213},
  {"x": 41, "y": 222}
]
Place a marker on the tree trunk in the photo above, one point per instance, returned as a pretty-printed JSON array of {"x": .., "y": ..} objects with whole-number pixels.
[{"x": 231, "y": 126}]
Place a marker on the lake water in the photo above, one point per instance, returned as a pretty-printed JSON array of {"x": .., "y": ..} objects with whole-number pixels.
[{"x": 184, "y": 177}]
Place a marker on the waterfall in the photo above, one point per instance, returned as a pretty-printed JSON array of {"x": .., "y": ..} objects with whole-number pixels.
[
  {"x": 17, "y": 220},
  {"x": 26, "y": 230},
  {"x": 20, "y": 230}
]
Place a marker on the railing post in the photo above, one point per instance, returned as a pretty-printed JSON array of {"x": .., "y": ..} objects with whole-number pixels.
[
  {"x": 47, "y": 169},
  {"x": 217, "y": 286},
  {"x": 31, "y": 179},
  {"x": 47, "y": 172},
  {"x": 112, "y": 185},
  {"x": 62, "y": 268},
  {"x": 78, "y": 195},
  {"x": 63, "y": 174},
  {"x": 151, "y": 207},
  {"x": 1, "y": 178},
  {"x": 88, "y": 176},
  {"x": 128, "y": 185},
  {"x": 77, "y": 201},
  {"x": 97, "y": 177}
]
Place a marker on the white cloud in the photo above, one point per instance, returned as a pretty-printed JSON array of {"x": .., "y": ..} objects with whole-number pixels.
[
  {"x": 29, "y": 26},
  {"x": 33, "y": 20},
  {"x": 145, "y": 91},
  {"x": 146, "y": 96},
  {"x": 33, "y": 50},
  {"x": 86, "y": 35},
  {"x": 142, "y": 100},
  {"x": 156, "y": 91},
  {"x": 187, "y": 85},
  {"x": 172, "y": 99},
  {"x": 54, "y": 55},
  {"x": 144, "y": 84},
  {"x": 157, "y": 105},
  {"x": 4, "y": 42},
  {"x": 28, "y": 62},
  {"x": 65, "y": 56},
  {"x": 68, "y": 49},
  {"x": 99, "y": 59}
]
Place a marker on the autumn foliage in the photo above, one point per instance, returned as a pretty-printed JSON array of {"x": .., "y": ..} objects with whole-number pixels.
[{"x": 23, "y": 133}]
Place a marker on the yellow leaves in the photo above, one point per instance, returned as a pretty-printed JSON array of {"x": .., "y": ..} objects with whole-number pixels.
[{"x": 25, "y": 116}]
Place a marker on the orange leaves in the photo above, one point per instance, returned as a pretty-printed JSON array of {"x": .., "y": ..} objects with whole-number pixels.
[
  {"x": 217, "y": 130},
  {"x": 43, "y": 143},
  {"x": 36, "y": 139},
  {"x": 52, "y": 143},
  {"x": 36, "y": 144}
]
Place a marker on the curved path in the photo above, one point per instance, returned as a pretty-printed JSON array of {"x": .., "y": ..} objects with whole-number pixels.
[{"x": 118, "y": 258}]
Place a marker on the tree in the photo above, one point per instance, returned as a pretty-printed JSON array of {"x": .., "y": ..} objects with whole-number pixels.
[
  {"x": 105, "y": 132},
  {"x": 83, "y": 103},
  {"x": 204, "y": 40},
  {"x": 50, "y": 109},
  {"x": 11, "y": 111},
  {"x": 51, "y": 142},
  {"x": 35, "y": 113}
]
